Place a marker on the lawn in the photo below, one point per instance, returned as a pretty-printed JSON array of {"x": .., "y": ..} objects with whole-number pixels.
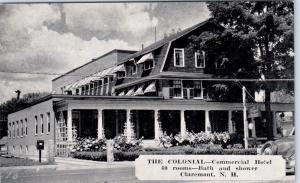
[{"x": 14, "y": 161}]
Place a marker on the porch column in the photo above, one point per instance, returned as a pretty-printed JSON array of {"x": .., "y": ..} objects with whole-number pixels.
[
  {"x": 100, "y": 124},
  {"x": 69, "y": 125},
  {"x": 128, "y": 131},
  {"x": 156, "y": 125},
  {"x": 102, "y": 86},
  {"x": 207, "y": 122},
  {"x": 182, "y": 123},
  {"x": 230, "y": 126}
]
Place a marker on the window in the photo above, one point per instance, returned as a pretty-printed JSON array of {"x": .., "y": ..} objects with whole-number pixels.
[
  {"x": 9, "y": 130},
  {"x": 198, "y": 90},
  {"x": 200, "y": 59},
  {"x": 120, "y": 74},
  {"x": 21, "y": 148},
  {"x": 14, "y": 132},
  {"x": 17, "y": 128},
  {"x": 26, "y": 149},
  {"x": 83, "y": 90},
  {"x": 48, "y": 122},
  {"x": 77, "y": 91},
  {"x": 133, "y": 69},
  {"x": 111, "y": 79},
  {"x": 22, "y": 128},
  {"x": 36, "y": 125},
  {"x": 91, "y": 89},
  {"x": 26, "y": 131},
  {"x": 148, "y": 64},
  {"x": 176, "y": 88},
  {"x": 42, "y": 124},
  {"x": 87, "y": 90},
  {"x": 178, "y": 57},
  {"x": 105, "y": 80},
  {"x": 13, "y": 148}
]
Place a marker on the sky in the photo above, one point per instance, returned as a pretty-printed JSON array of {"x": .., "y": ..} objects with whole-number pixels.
[{"x": 55, "y": 38}]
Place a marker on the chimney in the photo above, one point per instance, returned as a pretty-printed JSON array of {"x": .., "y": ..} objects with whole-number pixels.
[
  {"x": 142, "y": 46},
  {"x": 18, "y": 94}
]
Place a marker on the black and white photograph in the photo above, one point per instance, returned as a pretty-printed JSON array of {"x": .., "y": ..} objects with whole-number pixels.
[{"x": 147, "y": 91}]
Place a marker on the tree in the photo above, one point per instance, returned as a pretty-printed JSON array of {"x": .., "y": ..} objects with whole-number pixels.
[{"x": 263, "y": 32}]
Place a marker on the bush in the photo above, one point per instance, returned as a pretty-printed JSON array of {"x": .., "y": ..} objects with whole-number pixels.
[
  {"x": 195, "y": 139},
  {"x": 180, "y": 150},
  {"x": 126, "y": 156},
  {"x": 89, "y": 144},
  {"x": 121, "y": 144},
  {"x": 89, "y": 155}
]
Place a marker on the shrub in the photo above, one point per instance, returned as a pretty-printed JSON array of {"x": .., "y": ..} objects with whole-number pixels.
[
  {"x": 121, "y": 144},
  {"x": 195, "y": 139},
  {"x": 89, "y": 144},
  {"x": 126, "y": 156},
  {"x": 89, "y": 155}
]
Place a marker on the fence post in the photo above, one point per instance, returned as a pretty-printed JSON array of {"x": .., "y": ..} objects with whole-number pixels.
[{"x": 109, "y": 150}]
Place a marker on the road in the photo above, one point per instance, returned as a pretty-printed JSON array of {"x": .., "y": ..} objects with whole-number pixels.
[{"x": 85, "y": 176}]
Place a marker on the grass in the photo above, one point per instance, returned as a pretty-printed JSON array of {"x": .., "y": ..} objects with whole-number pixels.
[{"x": 14, "y": 161}]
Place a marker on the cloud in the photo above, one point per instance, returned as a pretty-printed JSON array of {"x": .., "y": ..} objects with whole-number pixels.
[
  {"x": 54, "y": 38},
  {"x": 126, "y": 18}
]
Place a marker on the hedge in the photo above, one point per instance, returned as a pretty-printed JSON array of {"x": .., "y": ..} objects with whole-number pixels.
[{"x": 132, "y": 155}]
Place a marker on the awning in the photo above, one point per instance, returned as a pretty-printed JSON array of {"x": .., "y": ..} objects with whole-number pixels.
[
  {"x": 119, "y": 68},
  {"x": 146, "y": 57},
  {"x": 130, "y": 92},
  {"x": 108, "y": 71},
  {"x": 139, "y": 91},
  {"x": 69, "y": 87},
  {"x": 86, "y": 81},
  {"x": 122, "y": 93},
  {"x": 150, "y": 88}
]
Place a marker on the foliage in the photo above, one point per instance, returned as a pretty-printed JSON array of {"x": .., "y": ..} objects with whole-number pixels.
[
  {"x": 195, "y": 139},
  {"x": 89, "y": 155},
  {"x": 121, "y": 143},
  {"x": 14, "y": 104},
  {"x": 132, "y": 155},
  {"x": 89, "y": 144}
]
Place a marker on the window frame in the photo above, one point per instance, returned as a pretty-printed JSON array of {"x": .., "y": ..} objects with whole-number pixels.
[
  {"x": 176, "y": 97},
  {"x": 183, "y": 60},
  {"x": 204, "y": 59},
  {"x": 148, "y": 63},
  {"x": 48, "y": 123},
  {"x": 135, "y": 70},
  {"x": 36, "y": 130},
  {"x": 42, "y": 123},
  {"x": 201, "y": 88},
  {"x": 22, "y": 128},
  {"x": 17, "y": 129},
  {"x": 26, "y": 128}
]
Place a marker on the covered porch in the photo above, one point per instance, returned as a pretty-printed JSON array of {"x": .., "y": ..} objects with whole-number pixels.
[{"x": 150, "y": 117}]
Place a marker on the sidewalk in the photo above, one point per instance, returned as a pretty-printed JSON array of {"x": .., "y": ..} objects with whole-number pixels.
[
  {"x": 68, "y": 164},
  {"x": 73, "y": 164}
]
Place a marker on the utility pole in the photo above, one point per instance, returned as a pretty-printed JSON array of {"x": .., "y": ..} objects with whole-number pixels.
[{"x": 246, "y": 135}]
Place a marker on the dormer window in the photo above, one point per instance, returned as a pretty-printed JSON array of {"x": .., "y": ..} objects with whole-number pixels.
[
  {"x": 120, "y": 74},
  {"x": 148, "y": 64},
  {"x": 105, "y": 80},
  {"x": 133, "y": 69},
  {"x": 200, "y": 59},
  {"x": 178, "y": 57}
]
